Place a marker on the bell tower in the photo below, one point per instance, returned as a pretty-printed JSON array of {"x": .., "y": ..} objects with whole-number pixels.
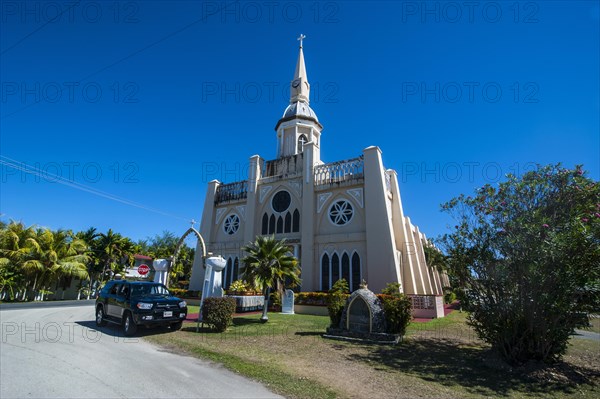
[{"x": 299, "y": 124}]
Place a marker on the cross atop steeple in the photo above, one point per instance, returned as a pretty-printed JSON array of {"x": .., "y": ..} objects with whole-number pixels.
[
  {"x": 300, "y": 89},
  {"x": 301, "y": 37}
]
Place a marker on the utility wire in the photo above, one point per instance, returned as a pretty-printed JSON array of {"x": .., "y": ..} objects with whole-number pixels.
[{"x": 21, "y": 166}]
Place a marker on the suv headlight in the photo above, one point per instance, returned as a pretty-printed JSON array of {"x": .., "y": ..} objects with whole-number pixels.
[
  {"x": 144, "y": 306},
  {"x": 182, "y": 304}
]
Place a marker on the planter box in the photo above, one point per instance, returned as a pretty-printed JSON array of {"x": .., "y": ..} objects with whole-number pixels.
[{"x": 248, "y": 303}]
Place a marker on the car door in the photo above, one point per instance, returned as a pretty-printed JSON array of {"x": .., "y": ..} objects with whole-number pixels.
[
  {"x": 122, "y": 299},
  {"x": 112, "y": 304}
]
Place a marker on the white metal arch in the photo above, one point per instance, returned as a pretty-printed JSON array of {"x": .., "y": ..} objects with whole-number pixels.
[{"x": 191, "y": 230}]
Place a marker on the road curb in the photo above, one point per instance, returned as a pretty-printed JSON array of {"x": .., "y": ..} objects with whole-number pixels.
[{"x": 45, "y": 304}]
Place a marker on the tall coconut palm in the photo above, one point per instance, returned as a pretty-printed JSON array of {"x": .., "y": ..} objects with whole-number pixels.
[
  {"x": 268, "y": 264},
  {"x": 94, "y": 266},
  {"x": 114, "y": 248},
  {"x": 55, "y": 255},
  {"x": 13, "y": 252}
]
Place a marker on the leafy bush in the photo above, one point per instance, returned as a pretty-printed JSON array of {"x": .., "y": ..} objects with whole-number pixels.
[
  {"x": 391, "y": 289},
  {"x": 238, "y": 286},
  {"x": 179, "y": 292},
  {"x": 398, "y": 312},
  {"x": 183, "y": 284},
  {"x": 397, "y": 308},
  {"x": 311, "y": 298},
  {"x": 275, "y": 301},
  {"x": 218, "y": 312},
  {"x": 525, "y": 254},
  {"x": 449, "y": 296},
  {"x": 336, "y": 301}
]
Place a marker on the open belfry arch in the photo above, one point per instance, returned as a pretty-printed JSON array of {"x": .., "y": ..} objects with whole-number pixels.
[{"x": 342, "y": 219}]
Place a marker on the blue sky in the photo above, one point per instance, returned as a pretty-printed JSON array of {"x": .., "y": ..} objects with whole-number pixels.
[{"x": 148, "y": 101}]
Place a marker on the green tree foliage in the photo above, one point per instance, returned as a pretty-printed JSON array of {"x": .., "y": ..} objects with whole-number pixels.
[
  {"x": 336, "y": 300},
  {"x": 218, "y": 312},
  {"x": 115, "y": 253},
  {"x": 162, "y": 246},
  {"x": 32, "y": 259},
  {"x": 397, "y": 308},
  {"x": 269, "y": 264},
  {"x": 528, "y": 255},
  {"x": 392, "y": 289}
]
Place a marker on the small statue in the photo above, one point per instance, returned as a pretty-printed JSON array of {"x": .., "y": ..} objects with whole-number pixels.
[{"x": 363, "y": 284}]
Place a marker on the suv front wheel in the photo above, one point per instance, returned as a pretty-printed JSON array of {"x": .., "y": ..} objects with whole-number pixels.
[
  {"x": 100, "y": 321},
  {"x": 176, "y": 326},
  {"x": 129, "y": 327}
]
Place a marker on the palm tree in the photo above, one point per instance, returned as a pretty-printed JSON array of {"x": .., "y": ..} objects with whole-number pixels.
[
  {"x": 55, "y": 255},
  {"x": 114, "y": 248},
  {"x": 269, "y": 263},
  {"x": 94, "y": 266},
  {"x": 13, "y": 252}
]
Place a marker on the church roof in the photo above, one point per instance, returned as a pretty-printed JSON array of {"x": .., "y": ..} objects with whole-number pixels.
[{"x": 299, "y": 108}]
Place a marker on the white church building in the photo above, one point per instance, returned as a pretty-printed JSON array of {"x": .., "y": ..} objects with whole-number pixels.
[{"x": 343, "y": 219}]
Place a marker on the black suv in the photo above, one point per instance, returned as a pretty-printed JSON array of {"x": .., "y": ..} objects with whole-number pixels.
[{"x": 134, "y": 303}]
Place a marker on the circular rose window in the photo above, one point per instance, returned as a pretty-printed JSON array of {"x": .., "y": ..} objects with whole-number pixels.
[
  {"x": 231, "y": 224},
  {"x": 341, "y": 213},
  {"x": 281, "y": 201}
]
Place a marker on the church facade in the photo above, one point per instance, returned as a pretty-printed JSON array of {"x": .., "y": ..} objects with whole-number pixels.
[{"x": 343, "y": 219}]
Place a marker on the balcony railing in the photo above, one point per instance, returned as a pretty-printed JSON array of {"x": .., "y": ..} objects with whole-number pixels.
[
  {"x": 231, "y": 191},
  {"x": 283, "y": 167},
  {"x": 341, "y": 171}
]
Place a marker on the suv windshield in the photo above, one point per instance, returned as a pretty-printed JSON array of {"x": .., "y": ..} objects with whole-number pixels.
[{"x": 149, "y": 289}]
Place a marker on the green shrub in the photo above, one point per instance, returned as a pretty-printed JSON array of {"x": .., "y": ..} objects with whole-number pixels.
[
  {"x": 397, "y": 308},
  {"x": 218, "y": 312},
  {"x": 392, "y": 289},
  {"x": 311, "y": 298},
  {"x": 179, "y": 292},
  {"x": 275, "y": 300},
  {"x": 238, "y": 286},
  {"x": 449, "y": 296},
  {"x": 398, "y": 312},
  {"x": 336, "y": 299}
]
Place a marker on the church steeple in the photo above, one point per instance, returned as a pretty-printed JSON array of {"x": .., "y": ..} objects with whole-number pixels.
[
  {"x": 299, "y": 123},
  {"x": 300, "y": 88}
]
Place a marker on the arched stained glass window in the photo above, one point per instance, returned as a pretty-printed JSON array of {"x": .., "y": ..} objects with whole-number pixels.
[
  {"x": 296, "y": 221},
  {"x": 335, "y": 268},
  {"x": 272, "y": 224},
  {"x": 325, "y": 283},
  {"x": 355, "y": 282},
  {"x": 346, "y": 267},
  {"x": 236, "y": 271},
  {"x": 265, "y": 224},
  {"x": 288, "y": 223}
]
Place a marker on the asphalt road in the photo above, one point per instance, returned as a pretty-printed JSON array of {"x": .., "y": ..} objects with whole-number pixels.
[{"x": 57, "y": 352}]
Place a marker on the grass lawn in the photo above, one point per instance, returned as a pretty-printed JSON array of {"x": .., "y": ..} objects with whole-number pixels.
[{"x": 438, "y": 359}]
